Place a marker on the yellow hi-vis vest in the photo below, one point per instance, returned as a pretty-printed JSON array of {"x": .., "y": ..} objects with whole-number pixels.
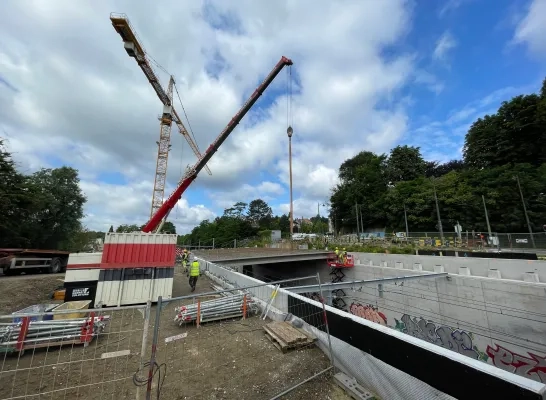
[
  {"x": 337, "y": 252},
  {"x": 194, "y": 269}
]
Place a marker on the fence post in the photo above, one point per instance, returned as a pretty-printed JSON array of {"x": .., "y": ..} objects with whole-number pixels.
[
  {"x": 332, "y": 359},
  {"x": 147, "y": 311},
  {"x": 198, "y": 316},
  {"x": 154, "y": 348}
]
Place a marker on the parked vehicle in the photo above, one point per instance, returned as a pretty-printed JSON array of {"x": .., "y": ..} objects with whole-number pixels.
[{"x": 16, "y": 261}]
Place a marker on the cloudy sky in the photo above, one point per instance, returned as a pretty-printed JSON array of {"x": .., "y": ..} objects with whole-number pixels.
[{"x": 367, "y": 75}]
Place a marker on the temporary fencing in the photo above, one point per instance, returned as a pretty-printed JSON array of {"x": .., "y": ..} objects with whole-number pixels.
[
  {"x": 91, "y": 354},
  {"x": 239, "y": 343}
]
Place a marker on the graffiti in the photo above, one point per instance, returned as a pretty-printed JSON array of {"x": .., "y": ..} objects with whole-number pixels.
[
  {"x": 532, "y": 367},
  {"x": 368, "y": 312},
  {"x": 452, "y": 339}
]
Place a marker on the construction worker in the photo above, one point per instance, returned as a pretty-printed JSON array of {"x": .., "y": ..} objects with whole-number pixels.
[
  {"x": 343, "y": 256},
  {"x": 194, "y": 273},
  {"x": 185, "y": 259},
  {"x": 337, "y": 253}
]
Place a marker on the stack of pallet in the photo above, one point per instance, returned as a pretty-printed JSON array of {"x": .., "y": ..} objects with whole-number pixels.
[{"x": 285, "y": 337}]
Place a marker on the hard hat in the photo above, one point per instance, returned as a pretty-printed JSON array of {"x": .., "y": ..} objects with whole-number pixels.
[
  {"x": 344, "y": 249},
  {"x": 337, "y": 248}
]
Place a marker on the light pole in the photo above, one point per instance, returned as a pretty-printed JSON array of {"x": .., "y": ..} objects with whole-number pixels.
[
  {"x": 440, "y": 227},
  {"x": 525, "y": 212},
  {"x": 486, "y": 217},
  {"x": 290, "y": 131},
  {"x": 406, "y": 219}
]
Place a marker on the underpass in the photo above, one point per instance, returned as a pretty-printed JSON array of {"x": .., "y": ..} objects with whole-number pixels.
[{"x": 488, "y": 311}]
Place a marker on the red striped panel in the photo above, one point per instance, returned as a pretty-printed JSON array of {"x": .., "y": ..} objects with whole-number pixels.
[
  {"x": 134, "y": 255},
  {"x": 117, "y": 266}
]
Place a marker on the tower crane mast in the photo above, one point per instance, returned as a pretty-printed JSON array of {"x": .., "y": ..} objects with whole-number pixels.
[
  {"x": 134, "y": 48},
  {"x": 163, "y": 212}
]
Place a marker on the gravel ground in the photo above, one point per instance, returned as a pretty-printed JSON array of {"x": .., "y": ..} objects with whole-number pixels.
[{"x": 219, "y": 360}]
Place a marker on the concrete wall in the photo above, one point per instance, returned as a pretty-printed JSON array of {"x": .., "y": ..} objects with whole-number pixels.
[
  {"x": 374, "y": 373},
  {"x": 500, "y": 321}
]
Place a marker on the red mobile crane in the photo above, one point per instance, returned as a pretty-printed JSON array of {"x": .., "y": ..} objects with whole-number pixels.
[{"x": 163, "y": 212}]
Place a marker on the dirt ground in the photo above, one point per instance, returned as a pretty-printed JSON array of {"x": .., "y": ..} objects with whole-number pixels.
[
  {"x": 18, "y": 292},
  {"x": 230, "y": 359}
]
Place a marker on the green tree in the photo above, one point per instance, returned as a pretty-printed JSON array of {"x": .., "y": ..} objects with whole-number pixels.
[
  {"x": 363, "y": 181},
  {"x": 58, "y": 208},
  {"x": 16, "y": 202},
  {"x": 111, "y": 229},
  {"x": 514, "y": 135},
  {"x": 125, "y": 228},
  {"x": 405, "y": 163},
  {"x": 237, "y": 211},
  {"x": 260, "y": 214},
  {"x": 168, "y": 227}
]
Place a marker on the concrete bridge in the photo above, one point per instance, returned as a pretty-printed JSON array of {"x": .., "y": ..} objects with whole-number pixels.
[{"x": 260, "y": 256}]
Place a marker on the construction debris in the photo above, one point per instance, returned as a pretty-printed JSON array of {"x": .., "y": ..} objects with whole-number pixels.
[
  {"x": 27, "y": 334},
  {"x": 233, "y": 306},
  {"x": 286, "y": 337}
]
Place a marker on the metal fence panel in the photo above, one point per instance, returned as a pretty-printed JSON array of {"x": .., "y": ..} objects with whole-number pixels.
[
  {"x": 91, "y": 354},
  {"x": 220, "y": 345}
]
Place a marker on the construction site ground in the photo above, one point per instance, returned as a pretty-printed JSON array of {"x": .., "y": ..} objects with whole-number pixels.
[{"x": 219, "y": 360}]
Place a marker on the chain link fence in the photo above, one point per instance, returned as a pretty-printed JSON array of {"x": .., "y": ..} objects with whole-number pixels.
[{"x": 91, "y": 354}]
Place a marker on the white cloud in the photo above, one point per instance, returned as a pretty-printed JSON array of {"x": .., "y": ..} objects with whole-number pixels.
[
  {"x": 267, "y": 191},
  {"x": 79, "y": 99},
  {"x": 531, "y": 30},
  {"x": 449, "y": 6},
  {"x": 449, "y": 134},
  {"x": 444, "y": 44}
]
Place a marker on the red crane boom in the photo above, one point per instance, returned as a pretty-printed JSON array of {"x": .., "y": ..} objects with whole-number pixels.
[{"x": 168, "y": 205}]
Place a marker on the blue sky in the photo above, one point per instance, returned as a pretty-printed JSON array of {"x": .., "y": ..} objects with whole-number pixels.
[{"x": 368, "y": 76}]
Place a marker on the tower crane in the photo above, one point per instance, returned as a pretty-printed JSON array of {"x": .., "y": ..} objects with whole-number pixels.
[
  {"x": 157, "y": 219},
  {"x": 134, "y": 48}
]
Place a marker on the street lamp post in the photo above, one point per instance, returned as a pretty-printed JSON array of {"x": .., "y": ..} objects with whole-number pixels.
[
  {"x": 525, "y": 212},
  {"x": 440, "y": 227},
  {"x": 290, "y": 131},
  {"x": 406, "y": 220}
]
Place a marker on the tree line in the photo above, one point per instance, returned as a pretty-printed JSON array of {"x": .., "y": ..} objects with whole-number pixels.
[
  {"x": 40, "y": 210},
  {"x": 247, "y": 221},
  {"x": 499, "y": 150}
]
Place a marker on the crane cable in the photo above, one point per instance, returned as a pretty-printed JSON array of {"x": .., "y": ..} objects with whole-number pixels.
[
  {"x": 186, "y": 115},
  {"x": 289, "y": 114}
]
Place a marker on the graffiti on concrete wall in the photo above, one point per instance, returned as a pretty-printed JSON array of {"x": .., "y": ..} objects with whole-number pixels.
[
  {"x": 369, "y": 312},
  {"x": 441, "y": 335},
  {"x": 532, "y": 366}
]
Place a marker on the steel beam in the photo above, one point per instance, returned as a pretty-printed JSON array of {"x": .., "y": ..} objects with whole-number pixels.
[{"x": 354, "y": 285}]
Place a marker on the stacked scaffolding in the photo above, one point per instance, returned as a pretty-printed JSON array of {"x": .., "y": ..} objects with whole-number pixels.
[
  {"x": 337, "y": 265},
  {"x": 28, "y": 334}
]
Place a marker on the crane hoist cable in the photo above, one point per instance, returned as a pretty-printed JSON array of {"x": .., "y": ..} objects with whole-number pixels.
[{"x": 184, "y": 110}]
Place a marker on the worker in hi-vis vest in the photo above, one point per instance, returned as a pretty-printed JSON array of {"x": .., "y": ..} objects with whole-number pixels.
[{"x": 194, "y": 273}]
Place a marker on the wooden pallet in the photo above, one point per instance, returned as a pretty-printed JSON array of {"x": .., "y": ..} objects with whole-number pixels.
[{"x": 285, "y": 337}]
